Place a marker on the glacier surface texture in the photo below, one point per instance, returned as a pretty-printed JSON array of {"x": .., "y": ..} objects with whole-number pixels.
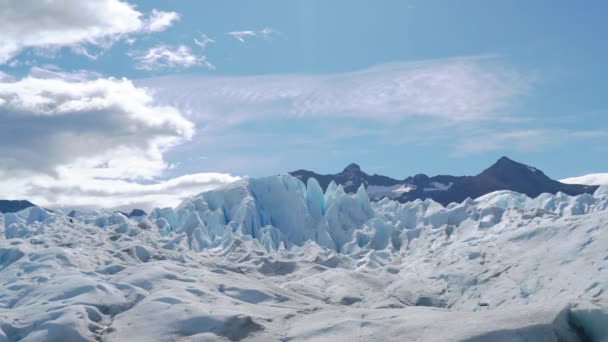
[{"x": 274, "y": 259}]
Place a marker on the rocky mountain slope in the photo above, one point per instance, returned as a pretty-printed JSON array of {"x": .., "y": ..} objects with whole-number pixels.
[{"x": 505, "y": 174}]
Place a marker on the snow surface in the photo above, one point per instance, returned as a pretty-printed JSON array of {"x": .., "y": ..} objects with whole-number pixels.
[
  {"x": 533, "y": 169},
  {"x": 272, "y": 259},
  {"x": 378, "y": 191},
  {"x": 439, "y": 186},
  {"x": 591, "y": 179}
]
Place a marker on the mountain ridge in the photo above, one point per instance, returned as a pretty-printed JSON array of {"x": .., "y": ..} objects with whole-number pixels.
[{"x": 504, "y": 174}]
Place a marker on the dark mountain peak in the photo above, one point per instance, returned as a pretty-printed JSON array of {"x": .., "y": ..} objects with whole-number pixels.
[
  {"x": 508, "y": 167},
  {"x": 421, "y": 177},
  {"x": 505, "y": 159},
  {"x": 504, "y": 162},
  {"x": 504, "y": 174},
  {"x": 507, "y": 174},
  {"x": 352, "y": 168}
]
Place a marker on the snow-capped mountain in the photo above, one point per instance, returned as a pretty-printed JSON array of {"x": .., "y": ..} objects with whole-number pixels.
[
  {"x": 276, "y": 259},
  {"x": 505, "y": 174}
]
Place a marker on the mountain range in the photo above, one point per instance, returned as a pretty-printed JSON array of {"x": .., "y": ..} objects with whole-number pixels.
[{"x": 505, "y": 174}]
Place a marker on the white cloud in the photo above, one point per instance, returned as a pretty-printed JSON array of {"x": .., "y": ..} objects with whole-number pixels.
[
  {"x": 242, "y": 35},
  {"x": 83, "y": 51},
  {"x": 160, "y": 21},
  {"x": 83, "y": 141},
  {"x": 50, "y": 122},
  {"x": 465, "y": 89},
  {"x": 50, "y": 71},
  {"x": 73, "y": 190},
  {"x": 168, "y": 57},
  {"x": 48, "y": 25},
  {"x": 47, "y": 52}
]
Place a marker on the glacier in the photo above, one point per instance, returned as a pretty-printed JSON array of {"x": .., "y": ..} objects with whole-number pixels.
[{"x": 275, "y": 259}]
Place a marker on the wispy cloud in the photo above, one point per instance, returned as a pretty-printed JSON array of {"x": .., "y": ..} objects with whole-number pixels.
[
  {"x": 4, "y": 77},
  {"x": 590, "y": 134},
  {"x": 522, "y": 140},
  {"x": 73, "y": 190},
  {"x": 525, "y": 140},
  {"x": 241, "y": 36},
  {"x": 169, "y": 57},
  {"x": 204, "y": 41},
  {"x": 51, "y": 71},
  {"x": 160, "y": 20},
  {"x": 403, "y": 103},
  {"x": 83, "y": 51},
  {"x": 462, "y": 89}
]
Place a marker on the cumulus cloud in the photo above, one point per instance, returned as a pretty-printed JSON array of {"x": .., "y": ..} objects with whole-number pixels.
[
  {"x": 49, "y": 122},
  {"x": 464, "y": 89},
  {"x": 168, "y": 57},
  {"x": 48, "y": 25},
  {"x": 75, "y": 139},
  {"x": 242, "y": 35}
]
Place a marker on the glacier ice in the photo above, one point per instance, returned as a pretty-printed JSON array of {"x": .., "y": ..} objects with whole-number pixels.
[
  {"x": 282, "y": 210},
  {"x": 602, "y": 191},
  {"x": 272, "y": 258}
]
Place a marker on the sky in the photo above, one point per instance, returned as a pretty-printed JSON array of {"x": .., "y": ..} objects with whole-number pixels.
[{"x": 122, "y": 104}]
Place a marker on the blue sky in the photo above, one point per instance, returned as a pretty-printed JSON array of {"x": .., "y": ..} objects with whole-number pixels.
[{"x": 400, "y": 87}]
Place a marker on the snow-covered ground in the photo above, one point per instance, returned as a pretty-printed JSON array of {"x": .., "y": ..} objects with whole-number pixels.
[
  {"x": 272, "y": 259},
  {"x": 379, "y": 191},
  {"x": 590, "y": 179},
  {"x": 436, "y": 186}
]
